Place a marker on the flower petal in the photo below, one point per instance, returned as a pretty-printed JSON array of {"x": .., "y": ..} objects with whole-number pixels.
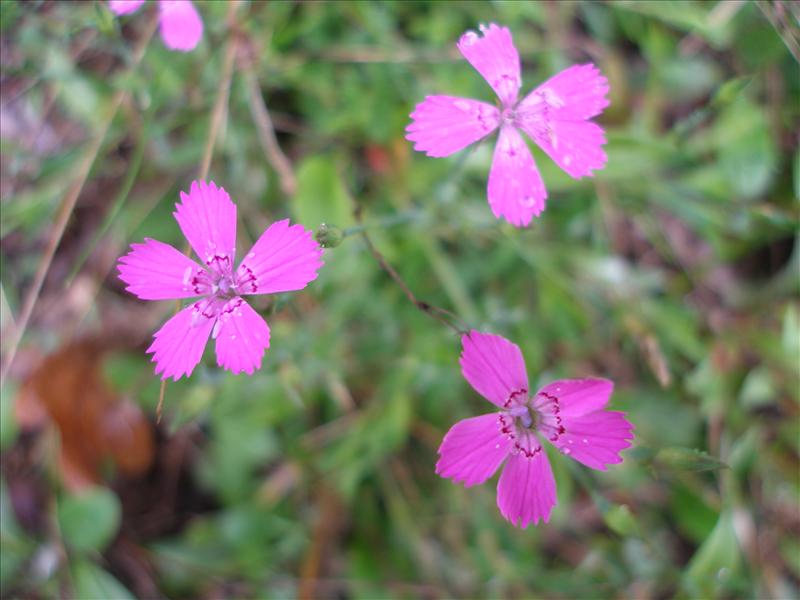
[
  {"x": 284, "y": 258},
  {"x": 516, "y": 190},
  {"x": 526, "y": 491},
  {"x": 595, "y": 439},
  {"x": 494, "y": 367},
  {"x": 472, "y": 450},
  {"x": 577, "y": 93},
  {"x": 157, "y": 271},
  {"x": 575, "y": 146},
  {"x": 207, "y": 218},
  {"x": 555, "y": 113},
  {"x": 242, "y": 336},
  {"x": 494, "y": 56},
  {"x": 124, "y": 7},
  {"x": 575, "y": 397},
  {"x": 181, "y": 25},
  {"x": 442, "y": 125},
  {"x": 178, "y": 346}
]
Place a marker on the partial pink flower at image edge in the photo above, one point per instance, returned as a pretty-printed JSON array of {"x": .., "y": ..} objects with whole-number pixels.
[{"x": 179, "y": 22}]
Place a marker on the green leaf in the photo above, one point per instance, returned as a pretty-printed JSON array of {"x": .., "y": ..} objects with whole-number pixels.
[
  {"x": 758, "y": 388},
  {"x": 321, "y": 195},
  {"x": 693, "y": 517},
  {"x": 790, "y": 335},
  {"x": 797, "y": 175},
  {"x": 715, "y": 561},
  {"x": 90, "y": 519},
  {"x": 93, "y": 583},
  {"x": 687, "y": 459},
  {"x": 729, "y": 91},
  {"x": 8, "y": 421},
  {"x": 747, "y": 152},
  {"x": 621, "y": 520}
]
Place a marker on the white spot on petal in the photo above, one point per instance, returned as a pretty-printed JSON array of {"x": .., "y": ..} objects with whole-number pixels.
[
  {"x": 553, "y": 139},
  {"x": 469, "y": 38},
  {"x": 552, "y": 98}
]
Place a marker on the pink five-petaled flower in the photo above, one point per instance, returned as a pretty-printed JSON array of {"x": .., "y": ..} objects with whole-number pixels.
[
  {"x": 555, "y": 115},
  {"x": 568, "y": 413},
  {"x": 284, "y": 258},
  {"x": 181, "y": 25}
]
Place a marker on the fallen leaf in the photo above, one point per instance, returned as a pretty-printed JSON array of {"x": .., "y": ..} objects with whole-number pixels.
[{"x": 94, "y": 424}]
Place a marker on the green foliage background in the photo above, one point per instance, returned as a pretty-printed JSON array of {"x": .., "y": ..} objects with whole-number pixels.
[{"x": 674, "y": 272}]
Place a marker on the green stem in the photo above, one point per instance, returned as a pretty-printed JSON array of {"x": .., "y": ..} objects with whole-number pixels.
[{"x": 386, "y": 222}]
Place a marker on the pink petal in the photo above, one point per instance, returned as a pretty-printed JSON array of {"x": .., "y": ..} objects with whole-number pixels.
[
  {"x": 494, "y": 367},
  {"x": 124, "y": 7},
  {"x": 575, "y": 146},
  {"x": 526, "y": 491},
  {"x": 472, "y": 450},
  {"x": 577, "y": 93},
  {"x": 181, "y": 25},
  {"x": 516, "y": 190},
  {"x": 178, "y": 346},
  {"x": 555, "y": 113},
  {"x": 576, "y": 397},
  {"x": 242, "y": 336},
  {"x": 595, "y": 439},
  {"x": 441, "y": 125},
  {"x": 284, "y": 258},
  {"x": 494, "y": 56},
  {"x": 157, "y": 271},
  {"x": 207, "y": 218}
]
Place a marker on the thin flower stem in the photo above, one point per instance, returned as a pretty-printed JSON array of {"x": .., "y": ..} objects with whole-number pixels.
[
  {"x": 445, "y": 317},
  {"x": 68, "y": 205},
  {"x": 223, "y": 93},
  {"x": 218, "y": 115},
  {"x": 385, "y": 223},
  {"x": 266, "y": 133}
]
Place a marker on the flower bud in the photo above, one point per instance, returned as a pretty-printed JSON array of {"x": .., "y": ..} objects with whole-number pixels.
[{"x": 328, "y": 236}]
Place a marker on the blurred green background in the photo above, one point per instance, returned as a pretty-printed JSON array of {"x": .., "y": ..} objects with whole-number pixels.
[{"x": 673, "y": 272}]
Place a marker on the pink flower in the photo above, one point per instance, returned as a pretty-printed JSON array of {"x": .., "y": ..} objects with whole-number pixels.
[
  {"x": 181, "y": 26},
  {"x": 555, "y": 115},
  {"x": 568, "y": 413},
  {"x": 284, "y": 258}
]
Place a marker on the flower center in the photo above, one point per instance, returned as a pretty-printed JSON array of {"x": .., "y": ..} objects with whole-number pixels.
[
  {"x": 225, "y": 286},
  {"x": 222, "y": 280},
  {"x": 509, "y": 116},
  {"x": 525, "y": 416}
]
